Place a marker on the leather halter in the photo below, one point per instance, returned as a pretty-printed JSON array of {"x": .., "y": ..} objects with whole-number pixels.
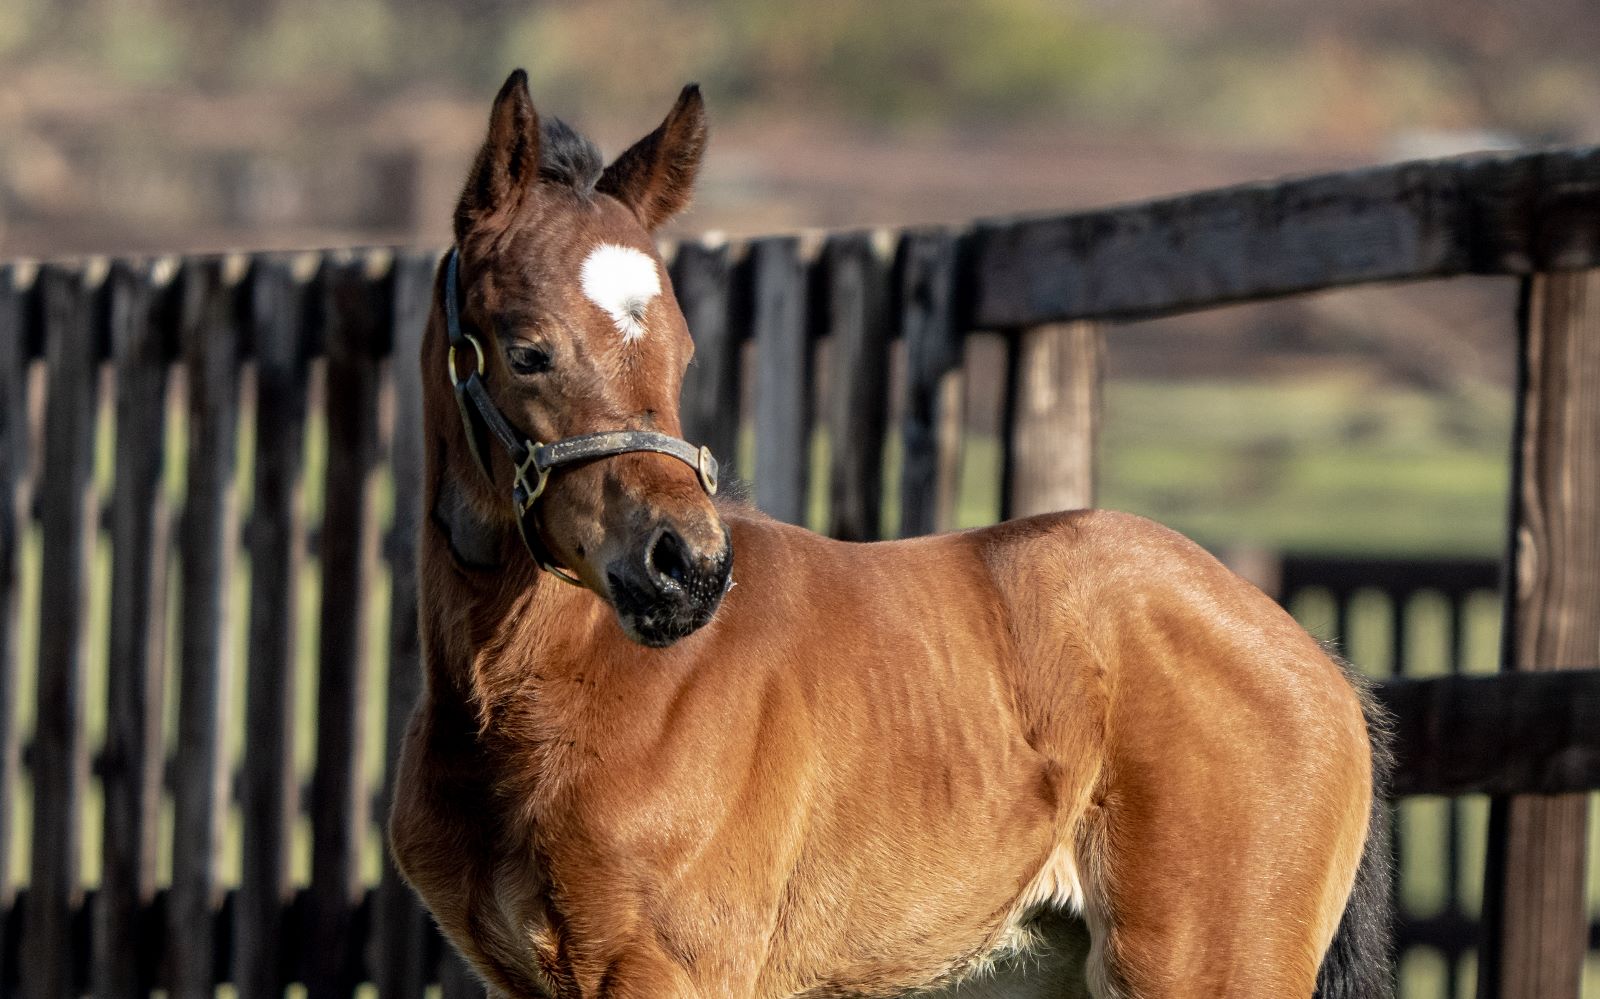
[{"x": 534, "y": 461}]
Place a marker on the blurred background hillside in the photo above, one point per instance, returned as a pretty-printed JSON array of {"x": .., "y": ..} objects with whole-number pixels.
[
  {"x": 168, "y": 125},
  {"x": 176, "y": 124}
]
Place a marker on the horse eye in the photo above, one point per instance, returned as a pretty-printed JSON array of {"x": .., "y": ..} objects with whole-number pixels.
[{"x": 527, "y": 360}]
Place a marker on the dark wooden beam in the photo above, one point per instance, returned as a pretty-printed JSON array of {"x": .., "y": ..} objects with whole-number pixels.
[
  {"x": 1477, "y": 215},
  {"x": 1537, "y": 733}
]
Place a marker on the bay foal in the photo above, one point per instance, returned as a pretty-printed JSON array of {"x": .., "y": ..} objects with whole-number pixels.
[{"x": 864, "y": 769}]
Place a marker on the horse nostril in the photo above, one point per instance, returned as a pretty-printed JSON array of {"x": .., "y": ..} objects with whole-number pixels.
[{"x": 667, "y": 558}]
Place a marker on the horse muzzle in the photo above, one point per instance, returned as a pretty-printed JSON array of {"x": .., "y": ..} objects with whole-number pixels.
[{"x": 668, "y": 589}]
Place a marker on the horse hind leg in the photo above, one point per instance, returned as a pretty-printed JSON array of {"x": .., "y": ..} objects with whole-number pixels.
[{"x": 1172, "y": 917}]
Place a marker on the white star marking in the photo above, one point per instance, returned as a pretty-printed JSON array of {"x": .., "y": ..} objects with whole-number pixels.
[{"x": 622, "y": 281}]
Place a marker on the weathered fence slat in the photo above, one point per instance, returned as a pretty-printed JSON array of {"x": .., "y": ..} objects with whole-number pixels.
[
  {"x": 357, "y": 313},
  {"x": 1052, "y": 418},
  {"x": 210, "y": 343},
  {"x": 276, "y": 538},
  {"x": 14, "y": 500},
  {"x": 398, "y": 941},
  {"x": 135, "y": 751},
  {"x": 1536, "y": 908},
  {"x": 783, "y": 380},
  {"x": 701, "y": 278},
  {"x": 1482, "y": 215},
  {"x": 858, "y": 411},
  {"x": 932, "y": 424},
  {"x": 68, "y": 520},
  {"x": 1454, "y": 868}
]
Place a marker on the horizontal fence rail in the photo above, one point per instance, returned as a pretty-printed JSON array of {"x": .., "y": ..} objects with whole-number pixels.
[
  {"x": 1514, "y": 214},
  {"x": 209, "y": 505},
  {"x": 1499, "y": 734}
]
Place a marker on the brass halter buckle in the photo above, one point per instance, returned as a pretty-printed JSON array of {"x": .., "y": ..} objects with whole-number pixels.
[{"x": 534, "y": 491}]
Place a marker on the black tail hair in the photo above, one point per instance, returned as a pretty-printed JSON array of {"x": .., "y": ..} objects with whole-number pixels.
[{"x": 1360, "y": 961}]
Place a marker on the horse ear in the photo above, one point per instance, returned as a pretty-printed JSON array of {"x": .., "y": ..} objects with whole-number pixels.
[
  {"x": 655, "y": 177},
  {"x": 508, "y": 163}
]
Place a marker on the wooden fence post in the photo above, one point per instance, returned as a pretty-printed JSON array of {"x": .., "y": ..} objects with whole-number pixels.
[
  {"x": 14, "y": 500},
  {"x": 358, "y": 307},
  {"x": 399, "y": 922},
  {"x": 858, "y": 407},
  {"x": 1052, "y": 418},
  {"x": 701, "y": 279},
  {"x": 269, "y": 788},
  {"x": 135, "y": 753},
  {"x": 933, "y": 422},
  {"x": 210, "y": 348},
  {"x": 1536, "y": 926},
  {"x": 68, "y": 521},
  {"x": 783, "y": 379}
]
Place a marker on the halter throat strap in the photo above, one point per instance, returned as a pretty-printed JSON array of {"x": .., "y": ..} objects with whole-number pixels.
[{"x": 533, "y": 461}]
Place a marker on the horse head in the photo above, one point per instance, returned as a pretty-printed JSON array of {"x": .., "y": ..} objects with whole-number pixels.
[{"x": 568, "y": 351}]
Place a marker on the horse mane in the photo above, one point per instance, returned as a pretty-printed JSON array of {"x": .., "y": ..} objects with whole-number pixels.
[{"x": 567, "y": 157}]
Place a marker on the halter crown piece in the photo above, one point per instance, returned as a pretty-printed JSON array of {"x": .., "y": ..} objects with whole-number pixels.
[{"x": 534, "y": 461}]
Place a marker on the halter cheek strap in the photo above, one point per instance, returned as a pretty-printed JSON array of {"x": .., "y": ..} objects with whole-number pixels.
[{"x": 533, "y": 462}]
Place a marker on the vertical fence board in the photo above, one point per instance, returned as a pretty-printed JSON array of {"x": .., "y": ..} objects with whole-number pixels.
[
  {"x": 858, "y": 410},
  {"x": 135, "y": 751},
  {"x": 398, "y": 945},
  {"x": 68, "y": 520},
  {"x": 14, "y": 501},
  {"x": 1455, "y": 810},
  {"x": 1053, "y": 418},
  {"x": 783, "y": 382},
  {"x": 1535, "y": 909},
  {"x": 931, "y": 469},
  {"x": 269, "y": 791},
  {"x": 701, "y": 280},
  {"x": 209, "y": 347},
  {"x": 356, "y": 314}
]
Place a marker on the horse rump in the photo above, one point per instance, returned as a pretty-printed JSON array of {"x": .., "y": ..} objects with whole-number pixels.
[{"x": 1359, "y": 963}]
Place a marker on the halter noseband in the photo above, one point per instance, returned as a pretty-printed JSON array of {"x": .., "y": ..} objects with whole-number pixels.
[{"x": 534, "y": 461}]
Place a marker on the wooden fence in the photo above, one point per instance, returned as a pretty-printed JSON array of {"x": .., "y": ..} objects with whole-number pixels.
[{"x": 206, "y": 462}]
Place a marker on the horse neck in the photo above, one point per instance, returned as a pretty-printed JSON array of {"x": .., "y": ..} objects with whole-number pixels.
[
  {"x": 494, "y": 628},
  {"x": 479, "y": 591}
]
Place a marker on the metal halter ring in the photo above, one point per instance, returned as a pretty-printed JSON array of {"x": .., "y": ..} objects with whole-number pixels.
[
  {"x": 450, "y": 362},
  {"x": 706, "y": 467}
]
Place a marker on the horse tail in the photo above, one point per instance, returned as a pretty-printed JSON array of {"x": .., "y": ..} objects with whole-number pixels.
[{"x": 1359, "y": 963}]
